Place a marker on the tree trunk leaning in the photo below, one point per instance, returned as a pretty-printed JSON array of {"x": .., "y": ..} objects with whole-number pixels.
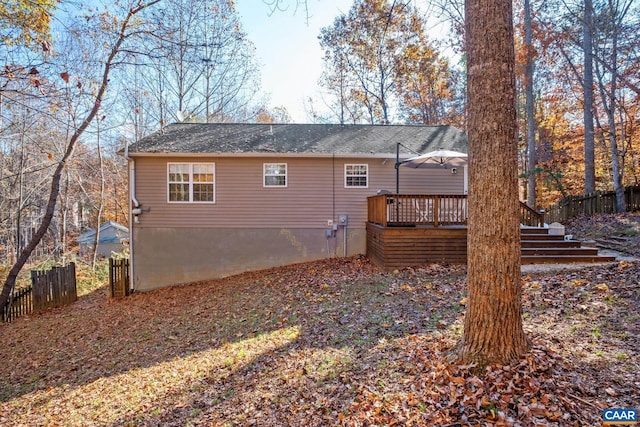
[{"x": 9, "y": 282}]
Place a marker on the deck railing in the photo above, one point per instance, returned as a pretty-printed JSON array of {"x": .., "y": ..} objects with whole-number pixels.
[
  {"x": 397, "y": 210},
  {"x": 531, "y": 217},
  {"x": 391, "y": 210}
]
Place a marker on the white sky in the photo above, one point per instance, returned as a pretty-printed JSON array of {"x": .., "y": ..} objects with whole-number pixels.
[{"x": 288, "y": 49}]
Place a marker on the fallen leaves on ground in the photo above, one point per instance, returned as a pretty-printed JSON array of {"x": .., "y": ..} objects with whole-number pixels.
[
  {"x": 334, "y": 342},
  {"x": 603, "y": 226}
]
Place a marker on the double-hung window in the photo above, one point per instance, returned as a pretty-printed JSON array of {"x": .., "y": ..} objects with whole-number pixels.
[
  {"x": 191, "y": 182},
  {"x": 275, "y": 175},
  {"x": 356, "y": 176}
]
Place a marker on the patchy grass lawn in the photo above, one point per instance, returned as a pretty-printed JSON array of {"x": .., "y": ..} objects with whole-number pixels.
[{"x": 335, "y": 342}]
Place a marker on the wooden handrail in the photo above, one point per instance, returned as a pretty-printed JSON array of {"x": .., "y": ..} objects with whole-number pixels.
[
  {"x": 530, "y": 216},
  {"x": 389, "y": 210},
  {"x": 417, "y": 209}
]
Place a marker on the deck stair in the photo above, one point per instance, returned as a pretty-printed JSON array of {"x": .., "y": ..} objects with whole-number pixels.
[{"x": 540, "y": 247}]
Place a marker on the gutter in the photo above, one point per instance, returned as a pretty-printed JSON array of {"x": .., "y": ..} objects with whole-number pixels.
[
  {"x": 133, "y": 202},
  {"x": 259, "y": 154}
]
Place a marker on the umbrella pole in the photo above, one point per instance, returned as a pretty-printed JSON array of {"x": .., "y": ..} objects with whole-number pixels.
[
  {"x": 396, "y": 201},
  {"x": 397, "y": 168}
]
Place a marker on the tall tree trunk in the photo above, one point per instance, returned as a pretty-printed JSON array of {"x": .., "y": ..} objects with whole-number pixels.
[
  {"x": 96, "y": 240},
  {"x": 10, "y": 281},
  {"x": 65, "y": 216},
  {"x": 529, "y": 106},
  {"x": 587, "y": 108},
  {"x": 20, "y": 199},
  {"x": 610, "y": 103},
  {"x": 616, "y": 170},
  {"x": 493, "y": 323}
]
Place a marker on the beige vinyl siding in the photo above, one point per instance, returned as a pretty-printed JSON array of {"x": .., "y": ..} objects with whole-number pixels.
[
  {"x": 431, "y": 181},
  {"x": 315, "y": 187}
]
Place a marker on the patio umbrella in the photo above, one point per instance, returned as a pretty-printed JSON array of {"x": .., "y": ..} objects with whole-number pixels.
[
  {"x": 438, "y": 158},
  {"x": 433, "y": 159}
]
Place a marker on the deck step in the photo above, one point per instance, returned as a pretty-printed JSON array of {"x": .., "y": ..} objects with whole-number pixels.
[
  {"x": 534, "y": 230},
  {"x": 550, "y": 243},
  {"x": 554, "y": 237},
  {"x": 560, "y": 259},
  {"x": 559, "y": 251},
  {"x": 540, "y": 247}
]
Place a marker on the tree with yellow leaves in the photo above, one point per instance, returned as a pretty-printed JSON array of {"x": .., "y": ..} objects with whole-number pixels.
[{"x": 25, "y": 21}]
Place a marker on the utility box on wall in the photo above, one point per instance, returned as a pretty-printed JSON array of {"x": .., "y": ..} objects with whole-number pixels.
[{"x": 343, "y": 219}]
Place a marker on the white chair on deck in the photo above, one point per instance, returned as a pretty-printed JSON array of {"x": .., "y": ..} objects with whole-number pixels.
[{"x": 424, "y": 210}]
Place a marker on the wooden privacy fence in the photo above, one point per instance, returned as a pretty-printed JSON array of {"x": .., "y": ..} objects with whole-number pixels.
[
  {"x": 589, "y": 204},
  {"x": 118, "y": 277},
  {"x": 52, "y": 288},
  {"x": 19, "y": 304}
]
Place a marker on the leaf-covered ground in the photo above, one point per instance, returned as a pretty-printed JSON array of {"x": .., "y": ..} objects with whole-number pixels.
[
  {"x": 335, "y": 342},
  {"x": 604, "y": 226}
]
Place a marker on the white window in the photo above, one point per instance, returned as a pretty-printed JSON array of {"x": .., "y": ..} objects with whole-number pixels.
[
  {"x": 275, "y": 175},
  {"x": 191, "y": 182},
  {"x": 356, "y": 176}
]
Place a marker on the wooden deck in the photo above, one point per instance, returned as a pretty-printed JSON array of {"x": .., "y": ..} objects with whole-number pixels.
[
  {"x": 405, "y": 230},
  {"x": 397, "y": 247},
  {"x": 413, "y": 230}
]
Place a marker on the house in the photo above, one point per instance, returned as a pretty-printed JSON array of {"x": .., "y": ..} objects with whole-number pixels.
[
  {"x": 113, "y": 237},
  {"x": 212, "y": 200}
]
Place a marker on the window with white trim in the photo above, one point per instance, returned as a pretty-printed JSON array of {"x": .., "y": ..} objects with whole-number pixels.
[
  {"x": 275, "y": 175},
  {"x": 191, "y": 182},
  {"x": 356, "y": 176}
]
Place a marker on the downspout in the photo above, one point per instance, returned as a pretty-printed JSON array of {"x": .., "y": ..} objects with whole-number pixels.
[{"x": 132, "y": 202}]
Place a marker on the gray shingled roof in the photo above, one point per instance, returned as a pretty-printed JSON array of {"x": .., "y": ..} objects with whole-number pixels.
[{"x": 223, "y": 138}]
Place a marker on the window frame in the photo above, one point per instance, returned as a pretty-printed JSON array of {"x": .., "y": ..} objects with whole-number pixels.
[
  {"x": 347, "y": 175},
  {"x": 264, "y": 175},
  {"x": 191, "y": 182}
]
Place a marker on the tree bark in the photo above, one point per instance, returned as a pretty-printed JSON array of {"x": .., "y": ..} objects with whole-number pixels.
[
  {"x": 493, "y": 322},
  {"x": 529, "y": 106},
  {"x": 587, "y": 108},
  {"x": 96, "y": 239},
  {"x": 610, "y": 104}
]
